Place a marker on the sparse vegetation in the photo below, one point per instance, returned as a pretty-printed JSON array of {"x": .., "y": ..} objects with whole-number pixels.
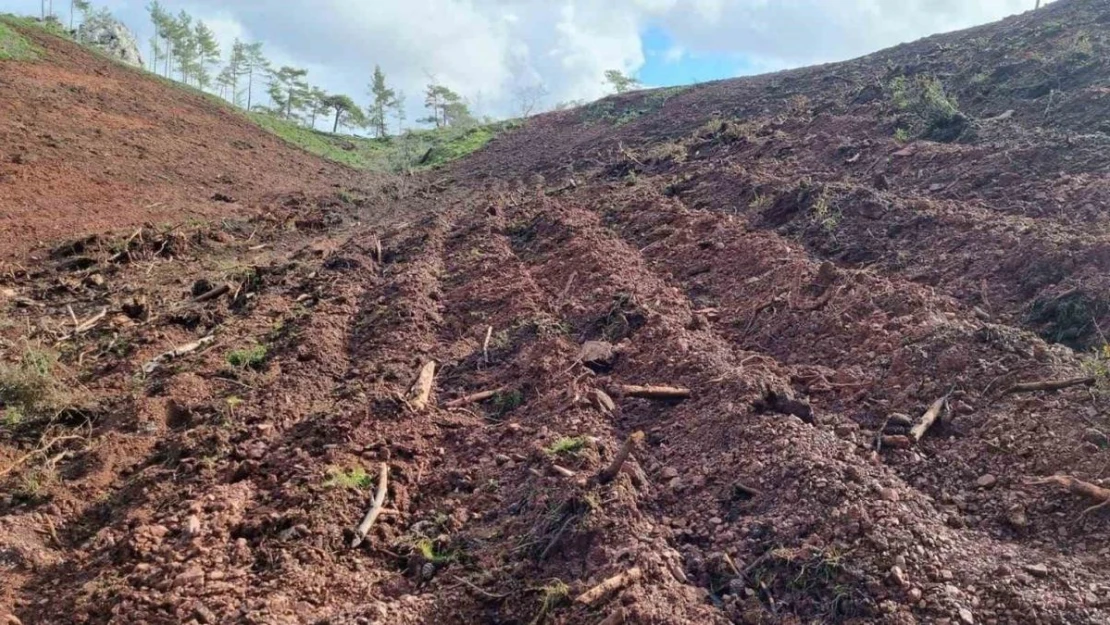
[
  {"x": 355, "y": 478},
  {"x": 13, "y": 46},
  {"x": 427, "y": 550},
  {"x": 554, "y": 594},
  {"x": 931, "y": 111},
  {"x": 568, "y": 445},
  {"x": 30, "y": 387},
  {"x": 253, "y": 357}
]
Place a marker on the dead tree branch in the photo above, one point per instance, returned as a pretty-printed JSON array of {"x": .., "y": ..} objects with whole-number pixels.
[
  {"x": 375, "y": 509},
  {"x": 654, "y": 392},
  {"x": 610, "y": 472}
]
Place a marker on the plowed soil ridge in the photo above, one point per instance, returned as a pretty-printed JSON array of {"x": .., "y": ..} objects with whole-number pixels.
[{"x": 764, "y": 243}]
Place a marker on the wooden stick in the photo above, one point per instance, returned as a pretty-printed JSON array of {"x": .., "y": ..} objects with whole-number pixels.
[
  {"x": 473, "y": 398},
  {"x": 654, "y": 392},
  {"x": 610, "y": 472},
  {"x": 377, "y": 244},
  {"x": 1078, "y": 487},
  {"x": 375, "y": 509},
  {"x": 212, "y": 294},
  {"x": 928, "y": 419},
  {"x": 485, "y": 344},
  {"x": 421, "y": 390},
  {"x": 1049, "y": 385},
  {"x": 616, "y": 582},
  {"x": 178, "y": 352},
  {"x": 86, "y": 325}
]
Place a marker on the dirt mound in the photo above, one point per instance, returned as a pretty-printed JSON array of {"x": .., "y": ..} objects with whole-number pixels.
[{"x": 731, "y": 354}]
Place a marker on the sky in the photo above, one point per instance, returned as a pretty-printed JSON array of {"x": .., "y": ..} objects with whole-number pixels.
[{"x": 491, "y": 50}]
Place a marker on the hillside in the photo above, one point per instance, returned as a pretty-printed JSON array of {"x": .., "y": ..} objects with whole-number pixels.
[{"x": 873, "y": 290}]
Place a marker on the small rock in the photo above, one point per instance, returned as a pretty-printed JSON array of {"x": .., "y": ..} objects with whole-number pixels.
[
  {"x": 597, "y": 354},
  {"x": 1096, "y": 437},
  {"x": 189, "y": 577},
  {"x": 966, "y": 617},
  {"x": 95, "y": 280},
  {"x": 1036, "y": 570},
  {"x": 669, "y": 473},
  {"x": 602, "y": 400},
  {"x": 192, "y": 525},
  {"x": 203, "y": 615},
  {"x": 986, "y": 481},
  {"x": 914, "y": 594},
  {"x": 888, "y": 494},
  {"x": 897, "y": 577}
]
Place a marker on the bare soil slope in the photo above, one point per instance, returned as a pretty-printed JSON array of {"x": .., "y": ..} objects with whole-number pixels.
[
  {"x": 88, "y": 145},
  {"x": 814, "y": 286}
]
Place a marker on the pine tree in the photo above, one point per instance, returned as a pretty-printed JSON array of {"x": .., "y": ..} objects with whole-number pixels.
[
  {"x": 78, "y": 5},
  {"x": 288, "y": 90},
  {"x": 383, "y": 100},
  {"x": 620, "y": 82},
  {"x": 317, "y": 105},
  {"x": 208, "y": 53},
  {"x": 185, "y": 46},
  {"x": 254, "y": 64},
  {"x": 236, "y": 69},
  {"x": 345, "y": 111},
  {"x": 398, "y": 108},
  {"x": 447, "y": 107}
]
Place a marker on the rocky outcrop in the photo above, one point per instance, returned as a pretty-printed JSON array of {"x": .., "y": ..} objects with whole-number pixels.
[{"x": 110, "y": 35}]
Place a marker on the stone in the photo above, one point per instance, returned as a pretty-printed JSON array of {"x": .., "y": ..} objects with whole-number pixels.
[
  {"x": 1096, "y": 437},
  {"x": 897, "y": 576},
  {"x": 105, "y": 32},
  {"x": 597, "y": 354},
  {"x": 966, "y": 617},
  {"x": 190, "y": 576},
  {"x": 670, "y": 473},
  {"x": 602, "y": 400},
  {"x": 888, "y": 494},
  {"x": 986, "y": 481},
  {"x": 1036, "y": 570},
  {"x": 915, "y": 594}
]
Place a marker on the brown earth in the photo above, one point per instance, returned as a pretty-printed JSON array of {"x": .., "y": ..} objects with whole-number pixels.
[{"x": 765, "y": 243}]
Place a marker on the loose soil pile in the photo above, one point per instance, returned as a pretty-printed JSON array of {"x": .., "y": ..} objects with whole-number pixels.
[{"x": 812, "y": 289}]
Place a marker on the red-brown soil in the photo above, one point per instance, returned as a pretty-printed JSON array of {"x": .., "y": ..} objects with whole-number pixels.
[{"x": 764, "y": 243}]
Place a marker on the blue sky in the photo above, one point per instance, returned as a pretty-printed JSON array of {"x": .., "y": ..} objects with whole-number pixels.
[{"x": 667, "y": 62}]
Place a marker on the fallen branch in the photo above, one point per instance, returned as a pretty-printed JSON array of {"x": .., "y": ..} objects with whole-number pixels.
[
  {"x": 1078, "y": 487},
  {"x": 1049, "y": 385},
  {"x": 86, "y": 325},
  {"x": 654, "y": 392},
  {"x": 375, "y": 509},
  {"x": 41, "y": 450},
  {"x": 610, "y": 472},
  {"x": 421, "y": 390},
  {"x": 473, "y": 398},
  {"x": 928, "y": 419},
  {"x": 485, "y": 344},
  {"x": 212, "y": 294},
  {"x": 615, "y": 582},
  {"x": 178, "y": 352}
]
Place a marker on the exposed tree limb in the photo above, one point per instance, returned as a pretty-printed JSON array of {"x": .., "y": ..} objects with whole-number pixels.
[
  {"x": 421, "y": 390},
  {"x": 1078, "y": 487},
  {"x": 86, "y": 325},
  {"x": 928, "y": 419},
  {"x": 610, "y": 472},
  {"x": 375, "y": 509},
  {"x": 212, "y": 294},
  {"x": 616, "y": 582},
  {"x": 485, "y": 344},
  {"x": 178, "y": 352},
  {"x": 473, "y": 398},
  {"x": 1049, "y": 385},
  {"x": 654, "y": 392}
]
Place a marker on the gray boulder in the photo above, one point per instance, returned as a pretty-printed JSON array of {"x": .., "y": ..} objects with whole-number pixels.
[{"x": 110, "y": 35}]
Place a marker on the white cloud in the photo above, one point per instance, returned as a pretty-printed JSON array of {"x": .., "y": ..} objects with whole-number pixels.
[{"x": 487, "y": 48}]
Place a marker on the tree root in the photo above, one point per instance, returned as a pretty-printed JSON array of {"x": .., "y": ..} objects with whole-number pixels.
[
  {"x": 616, "y": 582},
  {"x": 610, "y": 472},
  {"x": 1049, "y": 385},
  {"x": 1078, "y": 487}
]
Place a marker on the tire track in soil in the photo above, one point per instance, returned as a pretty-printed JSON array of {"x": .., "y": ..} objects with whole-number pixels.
[{"x": 827, "y": 467}]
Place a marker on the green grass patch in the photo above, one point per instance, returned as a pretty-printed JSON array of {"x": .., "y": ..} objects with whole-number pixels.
[
  {"x": 415, "y": 149},
  {"x": 253, "y": 357},
  {"x": 349, "y": 479},
  {"x": 568, "y": 445},
  {"x": 14, "y": 46}
]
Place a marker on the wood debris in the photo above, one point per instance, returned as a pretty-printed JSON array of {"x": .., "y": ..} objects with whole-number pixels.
[
  {"x": 616, "y": 582},
  {"x": 375, "y": 509},
  {"x": 1049, "y": 385},
  {"x": 421, "y": 390},
  {"x": 473, "y": 398},
  {"x": 610, "y": 472},
  {"x": 928, "y": 419},
  {"x": 654, "y": 392}
]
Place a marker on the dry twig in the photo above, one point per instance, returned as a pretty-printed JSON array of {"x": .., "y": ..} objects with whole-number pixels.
[
  {"x": 610, "y": 472},
  {"x": 375, "y": 509},
  {"x": 1049, "y": 385},
  {"x": 616, "y": 582},
  {"x": 654, "y": 392},
  {"x": 1078, "y": 487},
  {"x": 928, "y": 419},
  {"x": 473, "y": 398},
  {"x": 421, "y": 390}
]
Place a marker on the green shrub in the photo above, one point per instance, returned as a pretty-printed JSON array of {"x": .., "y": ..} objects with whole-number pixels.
[{"x": 350, "y": 479}]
